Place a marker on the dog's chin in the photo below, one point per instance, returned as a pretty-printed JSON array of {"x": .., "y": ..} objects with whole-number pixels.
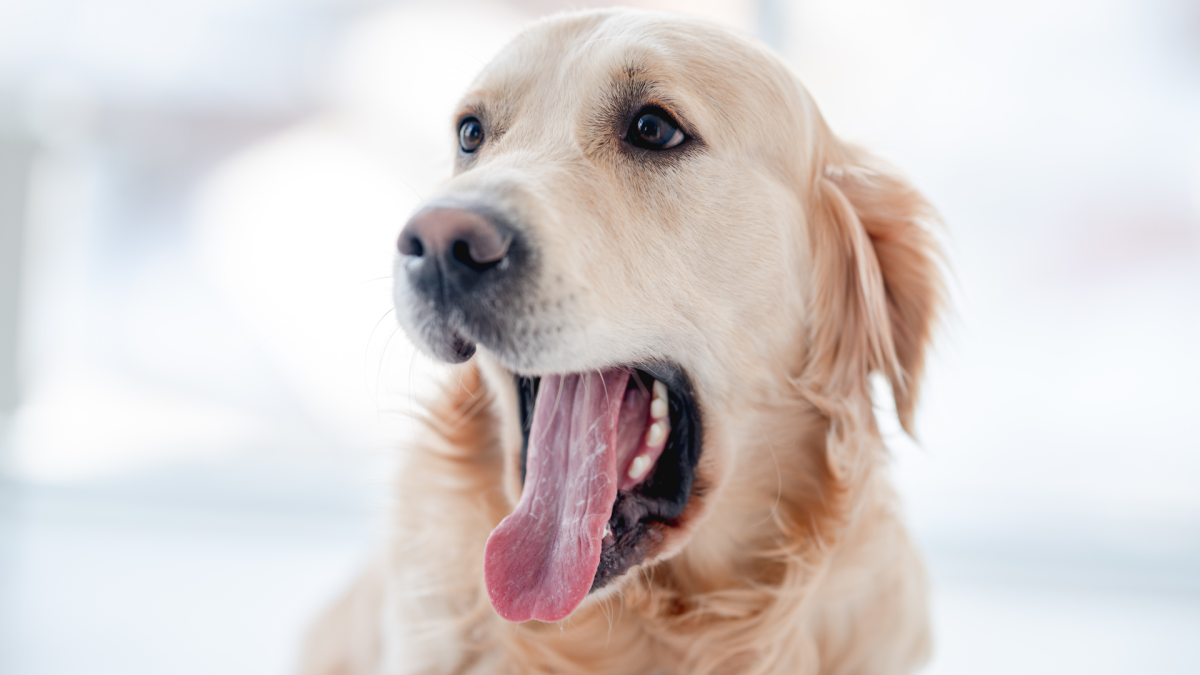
[
  {"x": 653, "y": 470},
  {"x": 433, "y": 334}
]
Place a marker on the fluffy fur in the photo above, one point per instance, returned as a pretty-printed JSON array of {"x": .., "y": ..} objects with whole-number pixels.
[{"x": 780, "y": 268}]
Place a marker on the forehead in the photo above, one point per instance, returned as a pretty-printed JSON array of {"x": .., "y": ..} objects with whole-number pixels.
[{"x": 566, "y": 59}]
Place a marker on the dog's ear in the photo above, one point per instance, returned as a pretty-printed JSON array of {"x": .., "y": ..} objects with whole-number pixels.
[{"x": 877, "y": 284}]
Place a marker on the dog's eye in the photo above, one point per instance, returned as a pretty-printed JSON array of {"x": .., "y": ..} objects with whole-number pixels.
[
  {"x": 470, "y": 134},
  {"x": 654, "y": 129}
]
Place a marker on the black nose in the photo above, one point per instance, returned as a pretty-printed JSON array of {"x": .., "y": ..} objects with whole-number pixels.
[{"x": 451, "y": 251}]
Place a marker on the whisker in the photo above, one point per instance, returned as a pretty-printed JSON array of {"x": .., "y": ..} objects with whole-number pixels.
[
  {"x": 412, "y": 362},
  {"x": 366, "y": 356},
  {"x": 640, "y": 385},
  {"x": 370, "y": 281},
  {"x": 410, "y": 187},
  {"x": 607, "y": 398},
  {"x": 382, "y": 357},
  {"x": 557, "y": 398}
]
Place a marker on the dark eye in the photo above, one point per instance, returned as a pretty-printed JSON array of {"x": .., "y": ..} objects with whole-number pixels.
[
  {"x": 654, "y": 129},
  {"x": 470, "y": 134}
]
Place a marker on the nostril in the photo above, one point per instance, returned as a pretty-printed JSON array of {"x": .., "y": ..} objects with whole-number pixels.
[
  {"x": 461, "y": 251},
  {"x": 410, "y": 245}
]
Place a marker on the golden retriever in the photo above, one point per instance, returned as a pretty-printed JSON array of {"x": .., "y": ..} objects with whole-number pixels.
[{"x": 667, "y": 284}]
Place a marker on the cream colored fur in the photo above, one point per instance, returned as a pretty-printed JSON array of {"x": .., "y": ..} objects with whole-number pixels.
[{"x": 779, "y": 268}]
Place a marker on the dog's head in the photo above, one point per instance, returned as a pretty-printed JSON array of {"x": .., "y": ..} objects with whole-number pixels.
[{"x": 651, "y": 230}]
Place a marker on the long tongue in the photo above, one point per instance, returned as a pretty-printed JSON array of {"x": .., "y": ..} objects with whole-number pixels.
[{"x": 540, "y": 561}]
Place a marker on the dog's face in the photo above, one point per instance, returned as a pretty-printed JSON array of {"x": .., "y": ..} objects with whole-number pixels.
[{"x": 629, "y": 240}]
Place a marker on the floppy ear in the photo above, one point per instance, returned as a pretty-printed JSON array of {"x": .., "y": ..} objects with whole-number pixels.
[{"x": 877, "y": 286}]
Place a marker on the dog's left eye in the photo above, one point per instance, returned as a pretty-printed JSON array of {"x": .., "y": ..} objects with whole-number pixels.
[
  {"x": 470, "y": 134},
  {"x": 653, "y": 128}
]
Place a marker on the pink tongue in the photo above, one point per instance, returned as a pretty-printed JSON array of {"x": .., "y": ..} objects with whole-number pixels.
[{"x": 540, "y": 561}]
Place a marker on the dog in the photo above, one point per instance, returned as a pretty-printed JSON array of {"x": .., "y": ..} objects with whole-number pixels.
[{"x": 667, "y": 286}]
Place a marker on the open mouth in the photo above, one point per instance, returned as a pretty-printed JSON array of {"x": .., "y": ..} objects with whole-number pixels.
[{"x": 608, "y": 462}]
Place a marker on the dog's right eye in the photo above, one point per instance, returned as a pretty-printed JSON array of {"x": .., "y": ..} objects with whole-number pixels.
[
  {"x": 470, "y": 134},
  {"x": 653, "y": 128}
]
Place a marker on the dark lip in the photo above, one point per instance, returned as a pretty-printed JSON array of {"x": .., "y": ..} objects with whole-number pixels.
[
  {"x": 640, "y": 515},
  {"x": 450, "y": 321}
]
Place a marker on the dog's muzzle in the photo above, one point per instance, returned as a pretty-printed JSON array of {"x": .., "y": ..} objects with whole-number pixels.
[{"x": 462, "y": 266}]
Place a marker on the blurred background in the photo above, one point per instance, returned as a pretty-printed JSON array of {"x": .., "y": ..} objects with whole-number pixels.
[{"x": 201, "y": 387}]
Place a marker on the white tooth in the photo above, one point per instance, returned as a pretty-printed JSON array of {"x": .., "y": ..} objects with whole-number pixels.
[
  {"x": 655, "y": 435},
  {"x": 658, "y": 409},
  {"x": 639, "y": 466},
  {"x": 607, "y": 530},
  {"x": 660, "y": 390}
]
